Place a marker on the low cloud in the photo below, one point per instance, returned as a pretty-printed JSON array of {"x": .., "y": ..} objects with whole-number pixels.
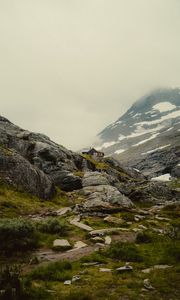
[{"x": 69, "y": 68}]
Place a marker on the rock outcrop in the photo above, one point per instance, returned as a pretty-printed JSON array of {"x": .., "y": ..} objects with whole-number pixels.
[
  {"x": 100, "y": 195},
  {"x": 16, "y": 170}
]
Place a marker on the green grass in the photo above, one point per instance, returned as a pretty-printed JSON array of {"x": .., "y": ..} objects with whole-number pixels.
[
  {"x": 125, "y": 252},
  {"x": 58, "y": 271},
  {"x": 17, "y": 235},
  {"x": 15, "y": 202}
]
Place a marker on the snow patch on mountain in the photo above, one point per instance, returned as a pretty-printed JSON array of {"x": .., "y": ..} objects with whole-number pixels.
[
  {"x": 119, "y": 151},
  {"x": 156, "y": 149},
  {"x": 146, "y": 140},
  {"x": 164, "y": 106},
  {"x": 164, "y": 177}
]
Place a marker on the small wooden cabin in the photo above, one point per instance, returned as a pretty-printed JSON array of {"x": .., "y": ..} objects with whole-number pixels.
[{"x": 93, "y": 152}]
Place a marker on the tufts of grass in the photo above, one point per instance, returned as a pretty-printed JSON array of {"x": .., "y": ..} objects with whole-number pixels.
[
  {"x": 146, "y": 237},
  {"x": 52, "y": 226},
  {"x": 124, "y": 252},
  {"x": 17, "y": 235},
  {"x": 58, "y": 271}
]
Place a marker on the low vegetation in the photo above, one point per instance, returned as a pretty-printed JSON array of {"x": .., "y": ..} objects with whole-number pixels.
[
  {"x": 52, "y": 225},
  {"x": 17, "y": 235},
  {"x": 148, "y": 247}
]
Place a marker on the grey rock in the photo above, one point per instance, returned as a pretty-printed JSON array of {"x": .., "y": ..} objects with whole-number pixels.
[
  {"x": 66, "y": 180},
  {"x": 101, "y": 232},
  {"x": 147, "y": 284},
  {"x": 75, "y": 278},
  {"x": 93, "y": 179},
  {"x": 105, "y": 270},
  {"x": 61, "y": 245},
  {"x": 81, "y": 225},
  {"x": 97, "y": 239},
  {"x": 52, "y": 159},
  {"x": 125, "y": 268},
  {"x": 102, "y": 196},
  {"x": 108, "y": 240},
  {"x": 79, "y": 245},
  {"x": 114, "y": 220},
  {"x": 16, "y": 170},
  {"x": 67, "y": 282},
  {"x": 63, "y": 211}
]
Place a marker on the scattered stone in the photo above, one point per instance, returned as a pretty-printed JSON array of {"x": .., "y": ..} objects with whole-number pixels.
[
  {"x": 139, "y": 217},
  {"x": 75, "y": 278},
  {"x": 129, "y": 223},
  {"x": 90, "y": 264},
  {"x": 76, "y": 219},
  {"x": 81, "y": 225},
  {"x": 142, "y": 227},
  {"x": 108, "y": 240},
  {"x": 79, "y": 244},
  {"x": 97, "y": 239},
  {"x": 101, "y": 245},
  {"x": 63, "y": 211},
  {"x": 127, "y": 267},
  {"x": 158, "y": 230},
  {"x": 105, "y": 270},
  {"x": 107, "y": 230},
  {"x": 114, "y": 220},
  {"x": 61, "y": 245},
  {"x": 162, "y": 219},
  {"x": 147, "y": 284},
  {"x": 162, "y": 267},
  {"x": 67, "y": 282},
  {"x": 144, "y": 212}
]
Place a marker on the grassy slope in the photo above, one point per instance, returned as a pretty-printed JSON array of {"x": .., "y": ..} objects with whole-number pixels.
[{"x": 47, "y": 282}]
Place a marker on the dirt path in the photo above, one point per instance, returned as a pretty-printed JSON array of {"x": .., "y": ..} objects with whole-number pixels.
[
  {"x": 48, "y": 256},
  {"x": 74, "y": 254}
]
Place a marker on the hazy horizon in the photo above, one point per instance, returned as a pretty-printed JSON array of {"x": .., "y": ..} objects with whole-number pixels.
[{"x": 71, "y": 67}]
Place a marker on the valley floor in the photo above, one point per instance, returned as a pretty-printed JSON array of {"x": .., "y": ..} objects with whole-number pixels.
[{"x": 143, "y": 242}]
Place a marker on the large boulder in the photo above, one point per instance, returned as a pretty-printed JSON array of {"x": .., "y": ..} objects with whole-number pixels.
[
  {"x": 42, "y": 154},
  {"x": 94, "y": 179},
  {"x": 16, "y": 170},
  {"x": 100, "y": 195}
]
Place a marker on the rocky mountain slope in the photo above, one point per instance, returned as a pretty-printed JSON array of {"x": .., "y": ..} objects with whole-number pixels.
[
  {"x": 34, "y": 163},
  {"x": 147, "y": 136}
]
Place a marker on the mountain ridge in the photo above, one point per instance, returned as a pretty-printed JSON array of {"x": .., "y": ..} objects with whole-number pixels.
[{"x": 147, "y": 125}]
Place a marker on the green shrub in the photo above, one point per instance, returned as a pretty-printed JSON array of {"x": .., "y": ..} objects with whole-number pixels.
[
  {"x": 174, "y": 230},
  {"x": 145, "y": 237},
  {"x": 17, "y": 235},
  {"x": 10, "y": 283},
  {"x": 171, "y": 253},
  {"x": 53, "y": 226},
  {"x": 124, "y": 252},
  {"x": 94, "y": 257},
  {"x": 58, "y": 271}
]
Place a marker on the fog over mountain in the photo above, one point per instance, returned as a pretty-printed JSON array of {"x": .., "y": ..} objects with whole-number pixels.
[{"x": 70, "y": 68}]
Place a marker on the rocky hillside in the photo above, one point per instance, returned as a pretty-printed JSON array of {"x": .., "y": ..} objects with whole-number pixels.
[
  {"x": 34, "y": 163},
  {"x": 147, "y": 136}
]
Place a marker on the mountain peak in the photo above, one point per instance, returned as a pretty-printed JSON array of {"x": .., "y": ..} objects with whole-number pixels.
[{"x": 151, "y": 122}]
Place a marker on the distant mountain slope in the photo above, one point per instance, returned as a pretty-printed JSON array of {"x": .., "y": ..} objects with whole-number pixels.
[{"x": 144, "y": 135}]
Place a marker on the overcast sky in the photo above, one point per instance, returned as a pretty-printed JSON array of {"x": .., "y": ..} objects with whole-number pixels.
[{"x": 68, "y": 68}]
